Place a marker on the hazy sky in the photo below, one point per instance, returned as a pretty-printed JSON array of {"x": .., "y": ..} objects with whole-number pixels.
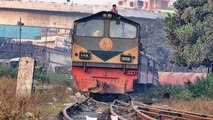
[{"x": 84, "y": 1}]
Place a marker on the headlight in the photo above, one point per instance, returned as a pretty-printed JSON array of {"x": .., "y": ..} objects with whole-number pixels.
[
  {"x": 109, "y": 16},
  {"x": 104, "y": 15},
  {"x": 85, "y": 56},
  {"x": 126, "y": 58}
]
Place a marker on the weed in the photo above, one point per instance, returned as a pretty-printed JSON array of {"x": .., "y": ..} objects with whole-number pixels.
[
  {"x": 202, "y": 88},
  {"x": 11, "y": 108},
  {"x": 202, "y": 106}
]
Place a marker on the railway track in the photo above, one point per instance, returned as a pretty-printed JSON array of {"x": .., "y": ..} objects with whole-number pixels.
[
  {"x": 168, "y": 114},
  {"x": 90, "y": 109}
]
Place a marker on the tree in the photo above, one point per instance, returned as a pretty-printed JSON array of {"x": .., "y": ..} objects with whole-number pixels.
[
  {"x": 153, "y": 40},
  {"x": 190, "y": 32}
]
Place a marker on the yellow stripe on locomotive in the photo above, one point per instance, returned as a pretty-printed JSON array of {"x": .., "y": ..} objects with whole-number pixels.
[{"x": 80, "y": 54}]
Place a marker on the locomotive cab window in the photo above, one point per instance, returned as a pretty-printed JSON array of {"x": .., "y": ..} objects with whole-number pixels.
[
  {"x": 120, "y": 29},
  {"x": 92, "y": 28}
]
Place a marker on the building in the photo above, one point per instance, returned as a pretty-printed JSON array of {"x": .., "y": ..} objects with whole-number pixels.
[
  {"x": 148, "y": 5},
  {"x": 129, "y": 3}
]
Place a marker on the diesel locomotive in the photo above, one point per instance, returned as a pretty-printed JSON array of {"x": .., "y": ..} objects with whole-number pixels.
[{"x": 107, "y": 56}]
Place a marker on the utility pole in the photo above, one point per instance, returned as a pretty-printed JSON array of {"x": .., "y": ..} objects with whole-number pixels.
[
  {"x": 47, "y": 30},
  {"x": 45, "y": 46},
  {"x": 19, "y": 23}
]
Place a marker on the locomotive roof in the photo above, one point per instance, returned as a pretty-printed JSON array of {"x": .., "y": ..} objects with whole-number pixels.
[{"x": 99, "y": 15}]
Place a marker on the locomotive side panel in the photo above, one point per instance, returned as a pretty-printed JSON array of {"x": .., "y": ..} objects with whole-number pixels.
[{"x": 148, "y": 70}]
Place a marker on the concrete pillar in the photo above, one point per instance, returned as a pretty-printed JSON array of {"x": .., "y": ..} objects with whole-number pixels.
[
  {"x": 128, "y": 3},
  {"x": 159, "y": 4},
  {"x": 25, "y": 77},
  {"x": 145, "y": 3},
  {"x": 149, "y": 5},
  {"x": 155, "y": 4}
]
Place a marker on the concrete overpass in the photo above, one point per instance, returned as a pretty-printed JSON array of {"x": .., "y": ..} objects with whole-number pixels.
[{"x": 40, "y": 14}]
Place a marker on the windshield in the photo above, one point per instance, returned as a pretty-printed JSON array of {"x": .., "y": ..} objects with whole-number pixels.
[
  {"x": 121, "y": 29},
  {"x": 94, "y": 28}
]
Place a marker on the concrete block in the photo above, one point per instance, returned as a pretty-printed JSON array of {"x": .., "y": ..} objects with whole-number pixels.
[{"x": 25, "y": 77}]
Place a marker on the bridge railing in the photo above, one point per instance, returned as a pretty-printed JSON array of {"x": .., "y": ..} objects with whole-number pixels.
[{"x": 31, "y": 49}]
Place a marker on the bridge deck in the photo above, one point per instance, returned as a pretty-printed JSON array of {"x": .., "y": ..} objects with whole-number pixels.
[{"x": 67, "y": 8}]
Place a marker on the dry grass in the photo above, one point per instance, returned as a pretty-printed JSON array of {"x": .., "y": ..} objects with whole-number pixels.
[
  {"x": 11, "y": 108},
  {"x": 202, "y": 106}
]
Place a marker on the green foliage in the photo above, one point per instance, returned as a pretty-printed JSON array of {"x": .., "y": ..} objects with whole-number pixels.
[
  {"x": 167, "y": 11},
  {"x": 53, "y": 77},
  {"x": 182, "y": 93},
  {"x": 58, "y": 78},
  {"x": 154, "y": 41},
  {"x": 7, "y": 71},
  {"x": 202, "y": 88},
  {"x": 189, "y": 32}
]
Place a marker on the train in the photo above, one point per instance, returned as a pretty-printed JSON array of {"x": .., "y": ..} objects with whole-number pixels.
[{"x": 107, "y": 56}]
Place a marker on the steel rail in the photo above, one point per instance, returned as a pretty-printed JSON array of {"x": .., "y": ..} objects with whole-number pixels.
[
  {"x": 127, "y": 108},
  {"x": 67, "y": 111},
  {"x": 130, "y": 111},
  {"x": 170, "y": 112}
]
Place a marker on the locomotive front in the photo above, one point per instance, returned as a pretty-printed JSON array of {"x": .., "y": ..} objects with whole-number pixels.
[{"x": 105, "y": 53}]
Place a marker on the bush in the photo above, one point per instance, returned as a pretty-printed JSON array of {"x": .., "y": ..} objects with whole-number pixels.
[
  {"x": 53, "y": 77},
  {"x": 7, "y": 71},
  {"x": 183, "y": 93},
  {"x": 202, "y": 88},
  {"x": 58, "y": 77}
]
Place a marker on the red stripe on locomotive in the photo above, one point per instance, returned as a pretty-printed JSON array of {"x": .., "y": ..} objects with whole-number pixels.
[{"x": 104, "y": 80}]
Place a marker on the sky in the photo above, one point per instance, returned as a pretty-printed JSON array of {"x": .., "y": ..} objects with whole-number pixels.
[{"x": 84, "y": 1}]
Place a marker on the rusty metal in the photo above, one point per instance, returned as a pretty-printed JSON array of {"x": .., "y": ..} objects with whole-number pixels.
[
  {"x": 65, "y": 113},
  {"x": 89, "y": 106},
  {"x": 126, "y": 111},
  {"x": 103, "y": 80},
  {"x": 165, "y": 114},
  {"x": 131, "y": 111}
]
